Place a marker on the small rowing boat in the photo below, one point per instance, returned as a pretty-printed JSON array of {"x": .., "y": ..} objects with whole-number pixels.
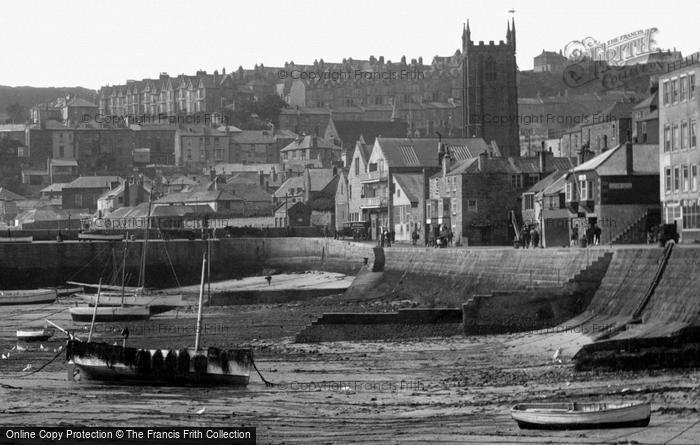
[
  {"x": 31, "y": 334},
  {"x": 29, "y": 296},
  {"x": 16, "y": 239},
  {"x": 582, "y": 415},
  {"x": 99, "y": 237},
  {"x": 85, "y": 314}
]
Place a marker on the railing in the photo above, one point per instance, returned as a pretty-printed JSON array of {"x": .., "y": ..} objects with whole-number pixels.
[
  {"x": 377, "y": 175},
  {"x": 375, "y": 201}
]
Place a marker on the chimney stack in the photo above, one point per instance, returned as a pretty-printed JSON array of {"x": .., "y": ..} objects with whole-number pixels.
[
  {"x": 481, "y": 162},
  {"x": 542, "y": 155},
  {"x": 629, "y": 157}
]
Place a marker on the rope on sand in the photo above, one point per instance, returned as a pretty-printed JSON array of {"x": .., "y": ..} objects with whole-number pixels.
[{"x": 267, "y": 383}]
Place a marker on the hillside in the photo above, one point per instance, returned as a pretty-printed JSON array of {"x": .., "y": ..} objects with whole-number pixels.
[{"x": 27, "y": 96}]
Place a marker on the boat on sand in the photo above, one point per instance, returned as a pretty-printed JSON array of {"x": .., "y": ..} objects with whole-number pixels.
[{"x": 582, "y": 415}]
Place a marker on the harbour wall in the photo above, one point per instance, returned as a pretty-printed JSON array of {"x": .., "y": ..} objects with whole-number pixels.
[{"x": 40, "y": 264}]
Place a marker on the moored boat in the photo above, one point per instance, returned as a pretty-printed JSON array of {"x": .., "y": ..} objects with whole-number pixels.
[
  {"x": 582, "y": 415},
  {"x": 16, "y": 239},
  {"x": 186, "y": 366},
  {"x": 156, "y": 303},
  {"x": 84, "y": 314},
  {"x": 31, "y": 334},
  {"x": 100, "y": 237},
  {"x": 105, "y": 362},
  {"x": 28, "y": 296}
]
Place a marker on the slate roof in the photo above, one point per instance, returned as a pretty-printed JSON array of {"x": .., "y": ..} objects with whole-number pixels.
[
  {"x": 310, "y": 142},
  {"x": 423, "y": 152},
  {"x": 411, "y": 184},
  {"x": 546, "y": 181},
  {"x": 510, "y": 165},
  {"x": 196, "y": 197},
  {"x": 88, "y": 182},
  {"x": 7, "y": 195},
  {"x": 350, "y": 131}
]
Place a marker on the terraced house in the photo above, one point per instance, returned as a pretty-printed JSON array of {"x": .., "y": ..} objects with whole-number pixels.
[{"x": 679, "y": 112}]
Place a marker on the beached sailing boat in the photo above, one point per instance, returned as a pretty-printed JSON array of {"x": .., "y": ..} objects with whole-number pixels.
[
  {"x": 122, "y": 303},
  {"x": 211, "y": 366}
]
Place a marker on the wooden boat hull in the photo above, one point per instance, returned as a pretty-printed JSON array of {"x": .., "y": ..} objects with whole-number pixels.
[
  {"x": 156, "y": 303},
  {"x": 18, "y": 239},
  {"x": 99, "y": 237},
  {"x": 33, "y": 334},
  {"x": 36, "y": 296},
  {"x": 84, "y": 314},
  {"x": 108, "y": 363},
  {"x": 569, "y": 416}
]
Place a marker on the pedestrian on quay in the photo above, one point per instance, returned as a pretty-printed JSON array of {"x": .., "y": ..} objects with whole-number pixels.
[
  {"x": 574, "y": 237},
  {"x": 526, "y": 237}
]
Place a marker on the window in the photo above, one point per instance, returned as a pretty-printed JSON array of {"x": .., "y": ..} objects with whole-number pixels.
[
  {"x": 666, "y": 92},
  {"x": 674, "y": 138},
  {"x": 691, "y": 86},
  {"x": 357, "y": 166},
  {"x": 471, "y": 205},
  {"x": 676, "y": 90},
  {"x": 667, "y": 138},
  {"x": 490, "y": 70},
  {"x": 398, "y": 192},
  {"x": 684, "y": 134},
  {"x": 693, "y": 134},
  {"x": 78, "y": 199},
  {"x": 686, "y": 178},
  {"x": 570, "y": 191},
  {"x": 219, "y": 154},
  {"x": 691, "y": 216},
  {"x": 694, "y": 177},
  {"x": 583, "y": 186},
  {"x": 676, "y": 179},
  {"x": 532, "y": 179},
  {"x": 516, "y": 181},
  {"x": 684, "y": 88},
  {"x": 668, "y": 179},
  {"x": 529, "y": 201},
  {"x": 61, "y": 151}
]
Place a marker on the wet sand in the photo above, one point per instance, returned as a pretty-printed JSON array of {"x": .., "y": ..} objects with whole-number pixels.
[{"x": 448, "y": 390}]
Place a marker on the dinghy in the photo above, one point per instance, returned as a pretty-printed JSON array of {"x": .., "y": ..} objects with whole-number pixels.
[
  {"x": 99, "y": 237},
  {"x": 32, "y": 334},
  {"x": 84, "y": 314},
  {"x": 582, "y": 415},
  {"x": 16, "y": 239},
  {"x": 29, "y": 296}
]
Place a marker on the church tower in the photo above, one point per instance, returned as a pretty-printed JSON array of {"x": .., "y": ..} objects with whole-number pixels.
[{"x": 490, "y": 91}]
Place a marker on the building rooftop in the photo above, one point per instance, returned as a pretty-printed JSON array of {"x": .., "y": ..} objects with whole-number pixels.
[{"x": 86, "y": 182}]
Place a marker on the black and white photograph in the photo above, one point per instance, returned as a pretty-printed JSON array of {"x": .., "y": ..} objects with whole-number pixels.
[{"x": 318, "y": 222}]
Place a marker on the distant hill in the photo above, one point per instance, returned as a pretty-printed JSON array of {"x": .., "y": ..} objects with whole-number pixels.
[{"x": 27, "y": 97}]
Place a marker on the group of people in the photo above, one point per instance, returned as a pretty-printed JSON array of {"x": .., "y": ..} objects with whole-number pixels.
[
  {"x": 530, "y": 237},
  {"x": 386, "y": 237},
  {"x": 591, "y": 236}
]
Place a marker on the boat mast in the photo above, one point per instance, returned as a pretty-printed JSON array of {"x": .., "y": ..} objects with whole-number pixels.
[
  {"x": 208, "y": 270},
  {"x": 142, "y": 276},
  {"x": 199, "y": 306},
  {"x": 124, "y": 270},
  {"x": 94, "y": 310}
]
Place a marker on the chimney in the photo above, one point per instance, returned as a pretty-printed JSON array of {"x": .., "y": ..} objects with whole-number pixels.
[
  {"x": 629, "y": 157},
  {"x": 542, "y": 155},
  {"x": 127, "y": 198},
  {"x": 483, "y": 156}
]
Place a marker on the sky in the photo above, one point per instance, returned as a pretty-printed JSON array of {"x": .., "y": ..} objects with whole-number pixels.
[{"x": 95, "y": 43}]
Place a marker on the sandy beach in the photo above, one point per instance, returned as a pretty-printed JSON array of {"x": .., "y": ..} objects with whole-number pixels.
[{"x": 432, "y": 390}]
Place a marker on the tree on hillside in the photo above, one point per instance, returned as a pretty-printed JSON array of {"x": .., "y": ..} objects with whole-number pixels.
[{"x": 16, "y": 113}]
